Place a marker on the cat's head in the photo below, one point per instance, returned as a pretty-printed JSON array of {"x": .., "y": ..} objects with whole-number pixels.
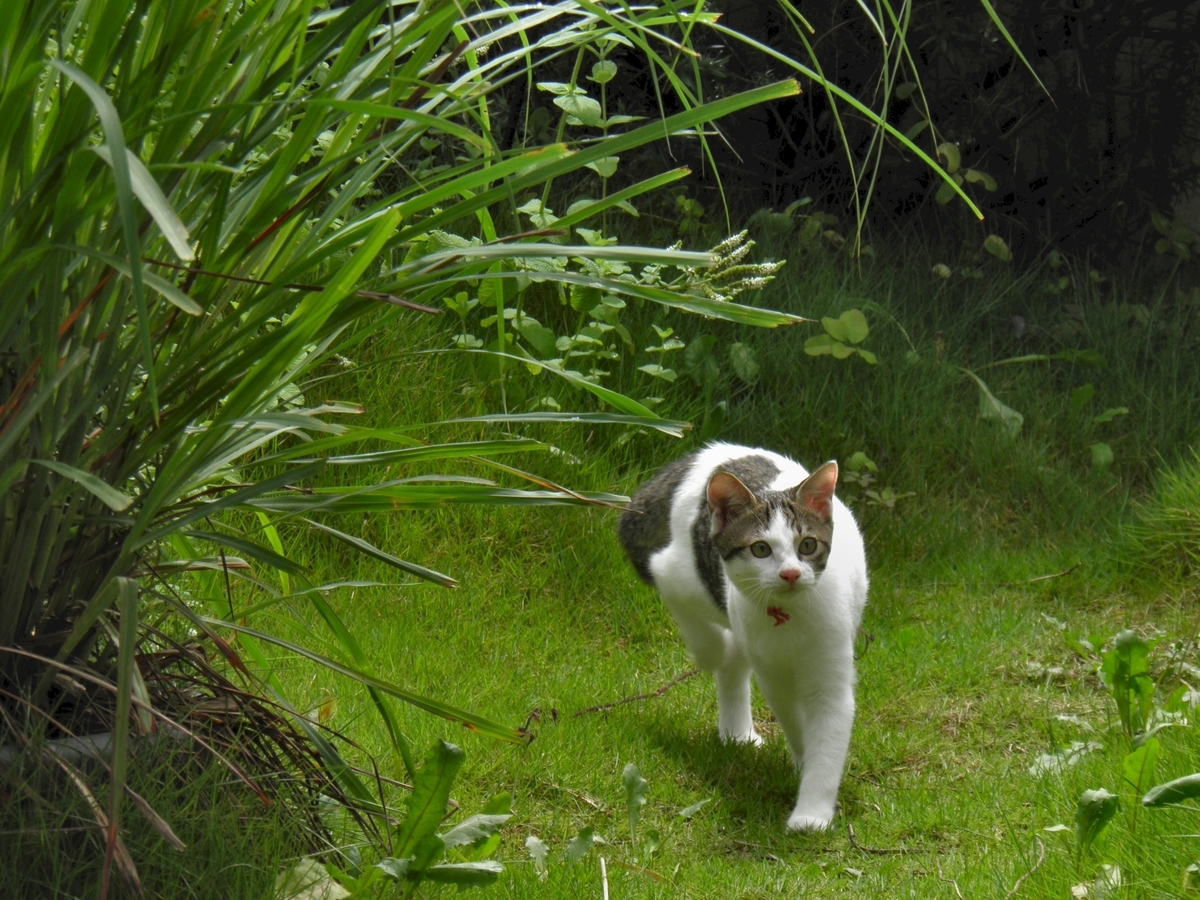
[{"x": 775, "y": 541}]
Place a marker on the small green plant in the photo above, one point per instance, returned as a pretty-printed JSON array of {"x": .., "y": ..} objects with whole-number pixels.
[
  {"x": 842, "y": 337},
  {"x": 421, "y": 859}
]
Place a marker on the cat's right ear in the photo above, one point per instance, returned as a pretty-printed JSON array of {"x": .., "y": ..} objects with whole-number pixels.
[{"x": 728, "y": 498}]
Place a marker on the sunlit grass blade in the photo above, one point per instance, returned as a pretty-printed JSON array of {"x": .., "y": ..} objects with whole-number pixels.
[
  {"x": 475, "y": 723},
  {"x": 373, "y": 551}
]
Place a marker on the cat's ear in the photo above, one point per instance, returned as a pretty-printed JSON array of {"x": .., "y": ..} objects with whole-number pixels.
[
  {"x": 815, "y": 493},
  {"x": 728, "y": 498}
]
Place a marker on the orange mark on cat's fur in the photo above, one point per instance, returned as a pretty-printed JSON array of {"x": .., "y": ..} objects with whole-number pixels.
[{"x": 778, "y": 615}]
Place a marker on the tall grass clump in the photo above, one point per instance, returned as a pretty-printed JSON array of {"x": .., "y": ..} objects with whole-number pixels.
[{"x": 1166, "y": 529}]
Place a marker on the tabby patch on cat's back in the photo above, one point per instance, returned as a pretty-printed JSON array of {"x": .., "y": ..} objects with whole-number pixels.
[{"x": 764, "y": 571}]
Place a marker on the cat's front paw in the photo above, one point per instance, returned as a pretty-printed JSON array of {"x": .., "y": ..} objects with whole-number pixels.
[{"x": 808, "y": 823}]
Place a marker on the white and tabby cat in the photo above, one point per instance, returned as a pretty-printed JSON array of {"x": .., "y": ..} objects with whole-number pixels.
[{"x": 763, "y": 569}]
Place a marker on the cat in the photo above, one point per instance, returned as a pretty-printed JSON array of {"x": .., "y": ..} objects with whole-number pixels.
[{"x": 763, "y": 570}]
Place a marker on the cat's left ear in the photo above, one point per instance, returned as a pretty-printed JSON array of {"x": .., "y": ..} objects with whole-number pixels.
[{"x": 815, "y": 493}]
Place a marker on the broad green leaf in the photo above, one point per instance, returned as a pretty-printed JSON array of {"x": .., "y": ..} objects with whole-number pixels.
[
  {"x": 635, "y": 794},
  {"x": 1102, "y": 455},
  {"x": 538, "y": 850},
  {"x": 579, "y": 845},
  {"x": 430, "y": 797},
  {"x": 115, "y": 500},
  {"x": 468, "y": 874},
  {"x": 867, "y": 356},
  {"x": 941, "y": 270},
  {"x": 1185, "y": 788},
  {"x": 974, "y": 176},
  {"x": 836, "y": 328},
  {"x": 603, "y": 71},
  {"x": 1109, "y": 414},
  {"x": 744, "y": 361},
  {"x": 1139, "y": 764},
  {"x": 1082, "y": 395},
  {"x": 606, "y": 167},
  {"x": 146, "y": 189},
  {"x": 1094, "y": 811},
  {"x": 950, "y": 153},
  {"x": 991, "y": 408},
  {"x": 395, "y": 868},
  {"x": 656, "y": 371},
  {"x": 819, "y": 345},
  {"x": 474, "y": 830},
  {"x": 688, "y": 811},
  {"x": 855, "y": 326},
  {"x": 583, "y": 109},
  {"x": 994, "y": 244}
]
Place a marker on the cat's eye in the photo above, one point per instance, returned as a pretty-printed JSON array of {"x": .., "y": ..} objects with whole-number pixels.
[
  {"x": 761, "y": 549},
  {"x": 808, "y": 546}
]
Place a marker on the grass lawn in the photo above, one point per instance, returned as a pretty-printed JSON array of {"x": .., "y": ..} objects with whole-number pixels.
[{"x": 966, "y": 680}]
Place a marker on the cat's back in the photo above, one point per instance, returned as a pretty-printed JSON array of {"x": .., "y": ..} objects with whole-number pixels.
[{"x": 644, "y": 527}]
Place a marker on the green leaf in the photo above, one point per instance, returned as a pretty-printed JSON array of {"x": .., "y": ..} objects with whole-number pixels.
[
  {"x": 860, "y": 461},
  {"x": 474, "y": 830},
  {"x": 744, "y": 361},
  {"x": 582, "y": 109},
  {"x": 868, "y": 356},
  {"x": 606, "y": 167},
  {"x": 395, "y": 868},
  {"x": 941, "y": 270},
  {"x": 836, "y": 329},
  {"x": 468, "y": 874},
  {"x": 635, "y": 794},
  {"x": 656, "y": 371},
  {"x": 603, "y": 71},
  {"x": 974, "y": 176},
  {"x": 994, "y": 244},
  {"x": 819, "y": 345},
  {"x": 115, "y": 500},
  {"x": 146, "y": 189},
  {"x": 1102, "y": 456},
  {"x": 1109, "y": 414},
  {"x": 1138, "y": 766},
  {"x": 430, "y": 797},
  {"x": 1185, "y": 788},
  {"x": 579, "y": 845},
  {"x": 991, "y": 408},
  {"x": 904, "y": 91},
  {"x": 1094, "y": 811},
  {"x": 951, "y": 154},
  {"x": 538, "y": 850},
  {"x": 855, "y": 326},
  {"x": 688, "y": 811},
  {"x": 1082, "y": 395}
]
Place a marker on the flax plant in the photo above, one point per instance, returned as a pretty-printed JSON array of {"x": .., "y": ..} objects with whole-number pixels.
[{"x": 192, "y": 221}]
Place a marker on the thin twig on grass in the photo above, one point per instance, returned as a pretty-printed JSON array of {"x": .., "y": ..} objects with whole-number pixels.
[
  {"x": 603, "y": 880},
  {"x": 876, "y": 850},
  {"x": 949, "y": 881},
  {"x": 605, "y": 707},
  {"x": 1037, "y": 865}
]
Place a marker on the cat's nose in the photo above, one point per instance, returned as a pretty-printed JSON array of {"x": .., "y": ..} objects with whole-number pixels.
[{"x": 790, "y": 576}]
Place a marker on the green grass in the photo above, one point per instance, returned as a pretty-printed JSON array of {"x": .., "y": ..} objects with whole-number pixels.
[{"x": 960, "y": 688}]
